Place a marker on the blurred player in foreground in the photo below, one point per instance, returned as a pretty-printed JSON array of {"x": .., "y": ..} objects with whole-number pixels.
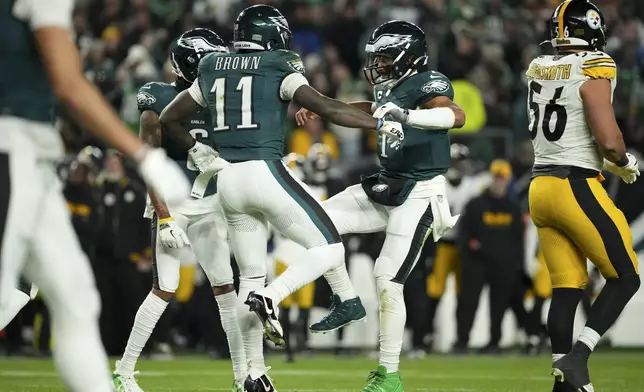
[
  {"x": 575, "y": 136},
  {"x": 407, "y": 199},
  {"x": 198, "y": 221},
  {"x": 40, "y": 64}
]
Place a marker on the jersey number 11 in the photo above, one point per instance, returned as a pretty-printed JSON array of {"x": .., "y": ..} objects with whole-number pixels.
[
  {"x": 245, "y": 87},
  {"x": 548, "y": 110}
]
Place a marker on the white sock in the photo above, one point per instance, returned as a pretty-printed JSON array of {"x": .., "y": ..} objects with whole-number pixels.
[
  {"x": 589, "y": 337},
  {"x": 556, "y": 357},
  {"x": 16, "y": 301},
  {"x": 146, "y": 319},
  {"x": 340, "y": 283},
  {"x": 251, "y": 327},
  {"x": 316, "y": 262},
  {"x": 393, "y": 315},
  {"x": 228, "y": 312}
]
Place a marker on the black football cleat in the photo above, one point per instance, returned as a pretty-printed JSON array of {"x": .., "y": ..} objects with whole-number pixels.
[
  {"x": 573, "y": 369},
  {"x": 269, "y": 315},
  {"x": 262, "y": 384},
  {"x": 563, "y": 387}
]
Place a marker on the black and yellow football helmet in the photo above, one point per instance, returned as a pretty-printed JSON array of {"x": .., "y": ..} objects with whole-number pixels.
[{"x": 577, "y": 24}]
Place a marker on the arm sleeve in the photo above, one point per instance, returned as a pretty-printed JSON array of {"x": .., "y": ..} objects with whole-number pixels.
[
  {"x": 195, "y": 93},
  {"x": 434, "y": 84},
  {"x": 44, "y": 13},
  {"x": 290, "y": 84}
]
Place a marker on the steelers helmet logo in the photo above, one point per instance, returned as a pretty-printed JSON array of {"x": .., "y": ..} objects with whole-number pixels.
[{"x": 593, "y": 19}]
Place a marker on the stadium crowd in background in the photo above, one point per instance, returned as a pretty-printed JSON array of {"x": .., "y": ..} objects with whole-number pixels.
[{"x": 483, "y": 46}]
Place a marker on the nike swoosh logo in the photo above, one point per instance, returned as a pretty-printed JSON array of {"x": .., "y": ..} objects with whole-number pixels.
[
  {"x": 266, "y": 387},
  {"x": 432, "y": 76}
]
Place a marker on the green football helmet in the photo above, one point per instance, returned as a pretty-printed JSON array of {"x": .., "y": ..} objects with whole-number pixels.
[
  {"x": 403, "y": 43},
  {"x": 261, "y": 27}
]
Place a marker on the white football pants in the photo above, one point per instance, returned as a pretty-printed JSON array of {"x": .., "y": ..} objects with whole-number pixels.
[{"x": 36, "y": 235}]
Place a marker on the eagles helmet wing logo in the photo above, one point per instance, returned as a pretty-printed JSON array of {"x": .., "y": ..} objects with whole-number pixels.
[
  {"x": 145, "y": 99},
  {"x": 386, "y": 41},
  {"x": 200, "y": 45},
  {"x": 435, "y": 86},
  {"x": 280, "y": 21}
]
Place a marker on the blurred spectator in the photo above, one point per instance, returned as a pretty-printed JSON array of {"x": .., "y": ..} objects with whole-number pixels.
[
  {"x": 491, "y": 248},
  {"x": 121, "y": 243},
  {"x": 313, "y": 132}
]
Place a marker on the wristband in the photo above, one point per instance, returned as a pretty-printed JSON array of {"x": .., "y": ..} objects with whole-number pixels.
[
  {"x": 165, "y": 220},
  {"x": 623, "y": 161},
  {"x": 380, "y": 121}
]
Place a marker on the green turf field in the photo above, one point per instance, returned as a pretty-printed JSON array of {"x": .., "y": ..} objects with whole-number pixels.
[{"x": 612, "y": 372}]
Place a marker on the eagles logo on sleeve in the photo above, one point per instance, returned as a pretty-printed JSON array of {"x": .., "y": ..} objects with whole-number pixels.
[
  {"x": 297, "y": 65},
  {"x": 145, "y": 99},
  {"x": 435, "y": 86}
]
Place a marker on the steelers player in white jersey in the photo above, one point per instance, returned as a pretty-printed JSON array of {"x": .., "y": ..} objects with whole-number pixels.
[
  {"x": 39, "y": 65},
  {"x": 575, "y": 136}
]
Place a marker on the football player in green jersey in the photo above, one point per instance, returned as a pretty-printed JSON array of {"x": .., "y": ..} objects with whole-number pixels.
[
  {"x": 41, "y": 65},
  {"x": 248, "y": 94},
  {"x": 406, "y": 199},
  {"x": 197, "y": 221}
]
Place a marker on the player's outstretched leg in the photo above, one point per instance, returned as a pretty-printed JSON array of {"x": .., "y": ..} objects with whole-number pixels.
[
  {"x": 209, "y": 238},
  {"x": 165, "y": 269}
]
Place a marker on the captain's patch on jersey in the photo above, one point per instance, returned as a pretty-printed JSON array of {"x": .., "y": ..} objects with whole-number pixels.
[
  {"x": 435, "y": 86},
  {"x": 145, "y": 99},
  {"x": 297, "y": 65}
]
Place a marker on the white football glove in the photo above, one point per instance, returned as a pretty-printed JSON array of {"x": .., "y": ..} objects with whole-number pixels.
[
  {"x": 628, "y": 173},
  {"x": 394, "y": 111},
  {"x": 171, "y": 235},
  {"x": 206, "y": 159},
  {"x": 164, "y": 176},
  {"x": 393, "y": 130}
]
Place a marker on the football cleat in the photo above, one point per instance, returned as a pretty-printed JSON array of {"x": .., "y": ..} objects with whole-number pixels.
[
  {"x": 269, "y": 315},
  {"x": 262, "y": 384},
  {"x": 340, "y": 315},
  {"x": 573, "y": 369},
  {"x": 238, "y": 387},
  {"x": 125, "y": 383},
  {"x": 381, "y": 381},
  {"x": 563, "y": 387}
]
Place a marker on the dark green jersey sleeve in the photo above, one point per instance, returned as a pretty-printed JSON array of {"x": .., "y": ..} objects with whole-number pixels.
[
  {"x": 432, "y": 84},
  {"x": 155, "y": 96},
  {"x": 287, "y": 62}
]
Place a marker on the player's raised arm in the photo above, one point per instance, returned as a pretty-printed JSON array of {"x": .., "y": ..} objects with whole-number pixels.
[
  {"x": 436, "y": 110},
  {"x": 62, "y": 62},
  {"x": 335, "y": 111},
  {"x": 303, "y": 115}
]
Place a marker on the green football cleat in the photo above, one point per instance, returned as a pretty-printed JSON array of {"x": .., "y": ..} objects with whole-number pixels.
[
  {"x": 237, "y": 387},
  {"x": 381, "y": 381},
  {"x": 340, "y": 315}
]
